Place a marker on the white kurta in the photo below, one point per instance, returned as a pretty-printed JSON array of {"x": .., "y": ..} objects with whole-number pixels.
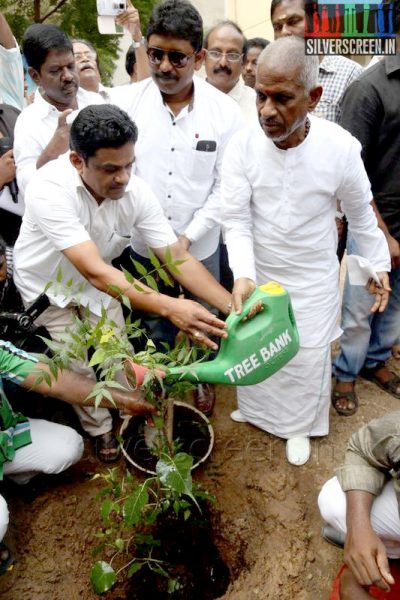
[{"x": 279, "y": 218}]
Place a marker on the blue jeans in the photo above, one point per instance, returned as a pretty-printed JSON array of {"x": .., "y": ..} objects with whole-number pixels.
[
  {"x": 158, "y": 329},
  {"x": 367, "y": 337}
]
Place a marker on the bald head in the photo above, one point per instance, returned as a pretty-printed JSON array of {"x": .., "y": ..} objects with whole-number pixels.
[{"x": 288, "y": 56}]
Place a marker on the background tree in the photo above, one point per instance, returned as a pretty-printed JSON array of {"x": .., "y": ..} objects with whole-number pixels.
[{"x": 78, "y": 18}]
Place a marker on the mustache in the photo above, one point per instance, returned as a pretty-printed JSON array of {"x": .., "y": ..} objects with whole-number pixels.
[
  {"x": 226, "y": 70},
  {"x": 166, "y": 77},
  {"x": 69, "y": 84}
]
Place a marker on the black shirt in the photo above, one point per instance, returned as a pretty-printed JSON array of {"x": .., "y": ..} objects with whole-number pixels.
[{"x": 371, "y": 112}]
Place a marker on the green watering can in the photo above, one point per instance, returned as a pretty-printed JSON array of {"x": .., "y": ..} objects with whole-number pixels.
[{"x": 255, "y": 348}]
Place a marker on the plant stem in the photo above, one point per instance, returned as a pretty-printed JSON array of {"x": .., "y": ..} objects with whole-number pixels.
[{"x": 169, "y": 425}]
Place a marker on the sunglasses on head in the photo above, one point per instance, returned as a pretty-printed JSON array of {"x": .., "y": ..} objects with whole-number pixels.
[{"x": 176, "y": 58}]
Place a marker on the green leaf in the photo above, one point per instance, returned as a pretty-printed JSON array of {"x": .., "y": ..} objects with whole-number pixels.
[
  {"x": 98, "y": 357},
  {"x": 134, "y": 504},
  {"x": 103, "y": 577},
  {"x": 165, "y": 277},
  {"x": 128, "y": 276},
  {"x": 141, "y": 269},
  {"x": 105, "y": 510},
  {"x": 154, "y": 260},
  {"x": 134, "y": 568},
  {"x": 119, "y": 544},
  {"x": 59, "y": 275},
  {"x": 174, "y": 472},
  {"x": 151, "y": 282}
]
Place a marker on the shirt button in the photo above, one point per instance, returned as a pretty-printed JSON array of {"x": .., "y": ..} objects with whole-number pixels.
[
  {"x": 172, "y": 149},
  {"x": 169, "y": 218},
  {"x": 174, "y": 123},
  {"x": 170, "y": 173},
  {"x": 169, "y": 195}
]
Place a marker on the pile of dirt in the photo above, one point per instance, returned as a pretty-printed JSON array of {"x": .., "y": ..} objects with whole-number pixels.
[{"x": 266, "y": 523}]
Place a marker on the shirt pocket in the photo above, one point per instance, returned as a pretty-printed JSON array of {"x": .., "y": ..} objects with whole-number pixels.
[{"x": 201, "y": 164}]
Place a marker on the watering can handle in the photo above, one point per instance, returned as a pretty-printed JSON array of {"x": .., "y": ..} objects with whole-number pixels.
[{"x": 251, "y": 311}]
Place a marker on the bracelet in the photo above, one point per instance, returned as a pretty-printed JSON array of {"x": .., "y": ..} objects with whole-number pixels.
[{"x": 140, "y": 43}]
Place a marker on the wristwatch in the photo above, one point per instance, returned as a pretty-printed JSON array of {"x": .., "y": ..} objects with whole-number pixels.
[{"x": 140, "y": 43}]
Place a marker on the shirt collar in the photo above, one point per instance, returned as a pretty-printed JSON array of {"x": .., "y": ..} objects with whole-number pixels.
[
  {"x": 236, "y": 91},
  {"x": 44, "y": 108},
  {"x": 328, "y": 64},
  {"x": 392, "y": 63}
]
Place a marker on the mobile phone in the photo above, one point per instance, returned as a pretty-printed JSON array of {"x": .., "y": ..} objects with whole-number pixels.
[
  {"x": 206, "y": 146},
  {"x": 110, "y": 8}
]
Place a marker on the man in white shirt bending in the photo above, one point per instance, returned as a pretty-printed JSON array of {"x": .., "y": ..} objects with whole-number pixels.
[
  {"x": 80, "y": 213},
  {"x": 280, "y": 184},
  {"x": 184, "y": 125},
  {"x": 42, "y": 132}
]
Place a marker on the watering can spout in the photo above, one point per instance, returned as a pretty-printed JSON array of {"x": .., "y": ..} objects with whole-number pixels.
[{"x": 257, "y": 346}]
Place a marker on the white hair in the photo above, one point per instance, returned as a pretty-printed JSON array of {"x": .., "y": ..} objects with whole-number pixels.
[{"x": 289, "y": 53}]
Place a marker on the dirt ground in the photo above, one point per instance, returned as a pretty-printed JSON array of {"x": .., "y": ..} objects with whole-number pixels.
[{"x": 267, "y": 524}]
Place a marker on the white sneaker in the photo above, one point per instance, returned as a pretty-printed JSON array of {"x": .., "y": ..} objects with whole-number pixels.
[
  {"x": 298, "y": 450},
  {"x": 237, "y": 416}
]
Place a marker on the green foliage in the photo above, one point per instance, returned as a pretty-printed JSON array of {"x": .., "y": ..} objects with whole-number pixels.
[
  {"x": 130, "y": 512},
  {"x": 78, "y": 18}
]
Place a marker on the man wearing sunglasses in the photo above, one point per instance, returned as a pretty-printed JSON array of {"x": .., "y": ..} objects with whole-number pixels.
[
  {"x": 224, "y": 46},
  {"x": 184, "y": 125}
]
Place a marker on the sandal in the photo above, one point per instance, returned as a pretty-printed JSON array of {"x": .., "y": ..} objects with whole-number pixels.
[
  {"x": 6, "y": 559},
  {"x": 106, "y": 447},
  {"x": 352, "y": 399},
  {"x": 392, "y": 386}
]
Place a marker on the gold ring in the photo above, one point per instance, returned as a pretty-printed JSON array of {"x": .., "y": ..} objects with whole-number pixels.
[{"x": 198, "y": 335}]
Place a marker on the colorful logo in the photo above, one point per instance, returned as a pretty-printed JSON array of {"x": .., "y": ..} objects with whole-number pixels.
[{"x": 334, "y": 27}]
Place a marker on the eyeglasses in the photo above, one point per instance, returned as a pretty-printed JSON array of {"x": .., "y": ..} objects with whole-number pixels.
[
  {"x": 176, "y": 58},
  {"x": 230, "y": 56},
  {"x": 83, "y": 55}
]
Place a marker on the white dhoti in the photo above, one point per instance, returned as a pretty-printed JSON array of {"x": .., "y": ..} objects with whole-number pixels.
[
  {"x": 295, "y": 401},
  {"x": 385, "y": 519}
]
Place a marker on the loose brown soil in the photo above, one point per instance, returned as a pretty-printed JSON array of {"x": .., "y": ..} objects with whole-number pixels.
[{"x": 266, "y": 521}]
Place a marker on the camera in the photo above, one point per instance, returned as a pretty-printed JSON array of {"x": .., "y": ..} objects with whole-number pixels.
[{"x": 110, "y": 8}]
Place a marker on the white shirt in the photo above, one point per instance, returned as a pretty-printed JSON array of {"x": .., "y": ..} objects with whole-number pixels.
[
  {"x": 34, "y": 129},
  {"x": 245, "y": 96},
  {"x": 7, "y": 203},
  {"x": 12, "y": 77},
  {"x": 184, "y": 177},
  {"x": 278, "y": 211},
  {"x": 61, "y": 213}
]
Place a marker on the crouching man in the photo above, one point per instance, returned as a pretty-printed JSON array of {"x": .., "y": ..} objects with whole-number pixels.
[{"x": 362, "y": 503}]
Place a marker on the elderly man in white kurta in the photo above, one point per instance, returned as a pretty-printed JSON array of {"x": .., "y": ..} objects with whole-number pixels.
[{"x": 280, "y": 184}]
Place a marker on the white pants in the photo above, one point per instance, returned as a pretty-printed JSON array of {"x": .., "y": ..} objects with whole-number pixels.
[
  {"x": 54, "y": 448},
  {"x": 384, "y": 513},
  {"x": 95, "y": 421}
]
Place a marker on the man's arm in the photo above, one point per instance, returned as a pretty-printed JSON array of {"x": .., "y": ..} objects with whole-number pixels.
[
  {"x": 74, "y": 389},
  {"x": 6, "y": 37},
  {"x": 130, "y": 19},
  {"x": 187, "y": 315},
  {"x": 394, "y": 246},
  {"x": 364, "y": 553}
]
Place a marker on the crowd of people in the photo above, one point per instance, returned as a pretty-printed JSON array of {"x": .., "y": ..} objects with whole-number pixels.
[{"x": 244, "y": 160}]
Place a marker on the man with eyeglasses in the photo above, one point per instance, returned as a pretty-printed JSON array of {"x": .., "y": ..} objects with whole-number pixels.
[
  {"x": 224, "y": 46},
  {"x": 184, "y": 125}
]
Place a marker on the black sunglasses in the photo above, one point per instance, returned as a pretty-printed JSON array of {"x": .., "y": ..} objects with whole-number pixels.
[{"x": 176, "y": 58}]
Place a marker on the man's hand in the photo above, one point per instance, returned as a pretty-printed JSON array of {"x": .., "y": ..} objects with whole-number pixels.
[
  {"x": 59, "y": 143},
  {"x": 394, "y": 249},
  {"x": 7, "y": 168},
  {"x": 242, "y": 289},
  {"x": 381, "y": 292},
  {"x": 196, "y": 321},
  {"x": 130, "y": 20},
  {"x": 132, "y": 403},
  {"x": 184, "y": 242},
  {"x": 365, "y": 555}
]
